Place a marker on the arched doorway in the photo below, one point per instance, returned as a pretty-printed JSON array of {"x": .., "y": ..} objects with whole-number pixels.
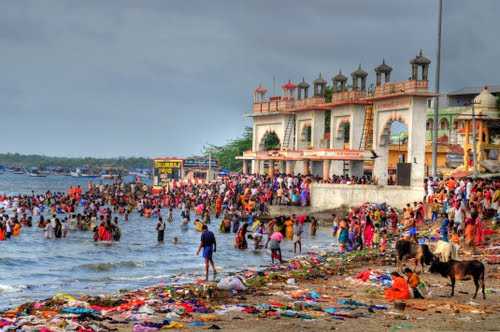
[
  {"x": 344, "y": 133},
  {"x": 306, "y": 135},
  {"x": 270, "y": 141},
  {"x": 394, "y": 142}
]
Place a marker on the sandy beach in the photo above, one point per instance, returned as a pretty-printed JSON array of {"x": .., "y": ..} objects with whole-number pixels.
[{"x": 312, "y": 292}]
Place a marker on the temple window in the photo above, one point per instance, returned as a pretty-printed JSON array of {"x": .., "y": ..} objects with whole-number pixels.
[
  {"x": 429, "y": 123},
  {"x": 444, "y": 124}
]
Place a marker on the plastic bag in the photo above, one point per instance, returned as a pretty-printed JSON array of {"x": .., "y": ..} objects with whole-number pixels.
[{"x": 231, "y": 283}]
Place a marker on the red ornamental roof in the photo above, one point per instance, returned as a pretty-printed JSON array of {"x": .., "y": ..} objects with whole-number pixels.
[
  {"x": 260, "y": 89},
  {"x": 289, "y": 86}
]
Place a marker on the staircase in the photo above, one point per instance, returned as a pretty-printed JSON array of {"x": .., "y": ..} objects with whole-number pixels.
[
  {"x": 366, "y": 141},
  {"x": 289, "y": 137}
]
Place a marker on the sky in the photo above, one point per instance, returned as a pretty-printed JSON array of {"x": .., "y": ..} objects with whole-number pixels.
[{"x": 162, "y": 78}]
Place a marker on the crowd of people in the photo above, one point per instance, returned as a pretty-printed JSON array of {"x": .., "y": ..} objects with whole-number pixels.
[{"x": 454, "y": 209}]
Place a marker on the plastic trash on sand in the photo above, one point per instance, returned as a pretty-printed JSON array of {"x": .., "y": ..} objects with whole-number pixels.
[{"x": 231, "y": 283}]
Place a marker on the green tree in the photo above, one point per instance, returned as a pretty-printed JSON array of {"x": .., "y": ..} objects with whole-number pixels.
[
  {"x": 328, "y": 93},
  {"x": 33, "y": 160},
  {"x": 271, "y": 141},
  {"x": 226, "y": 154}
]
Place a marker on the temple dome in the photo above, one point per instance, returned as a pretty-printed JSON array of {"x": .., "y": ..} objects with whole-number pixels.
[
  {"x": 340, "y": 77},
  {"x": 485, "y": 99},
  {"x": 303, "y": 84}
]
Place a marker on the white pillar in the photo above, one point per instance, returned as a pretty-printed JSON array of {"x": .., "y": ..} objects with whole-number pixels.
[
  {"x": 289, "y": 167},
  {"x": 256, "y": 167},
  {"x": 416, "y": 141},
  {"x": 326, "y": 169},
  {"x": 271, "y": 168},
  {"x": 380, "y": 165},
  {"x": 245, "y": 167},
  {"x": 282, "y": 166},
  {"x": 306, "y": 169}
]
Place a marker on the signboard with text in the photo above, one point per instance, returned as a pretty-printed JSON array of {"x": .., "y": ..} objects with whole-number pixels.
[{"x": 165, "y": 170}]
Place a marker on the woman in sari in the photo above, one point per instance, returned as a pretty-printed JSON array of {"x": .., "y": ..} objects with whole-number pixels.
[
  {"x": 478, "y": 232},
  {"x": 289, "y": 229},
  {"x": 240, "y": 241},
  {"x": 399, "y": 289},
  {"x": 343, "y": 235},
  {"x": 469, "y": 231},
  {"x": 368, "y": 232}
]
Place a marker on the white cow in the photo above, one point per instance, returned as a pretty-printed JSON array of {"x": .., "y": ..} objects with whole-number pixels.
[{"x": 446, "y": 251}]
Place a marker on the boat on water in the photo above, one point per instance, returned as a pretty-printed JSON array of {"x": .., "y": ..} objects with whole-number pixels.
[
  {"x": 112, "y": 173},
  {"x": 17, "y": 170},
  {"x": 36, "y": 173},
  {"x": 59, "y": 171},
  {"x": 143, "y": 174},
  {"x": 82, "y": 173},
  {"x": 109, "y": 176}
]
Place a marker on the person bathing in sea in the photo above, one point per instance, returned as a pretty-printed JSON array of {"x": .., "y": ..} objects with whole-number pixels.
[
  {"x": 160, "y": 228},
  {"x": 209, "y": 246}
]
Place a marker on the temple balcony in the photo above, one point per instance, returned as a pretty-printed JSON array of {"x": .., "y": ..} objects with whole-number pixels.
[
  {"x": 406, "y": 87},
  {"x": 349, "y": 96},
  {"x": 281, "y": 104}
]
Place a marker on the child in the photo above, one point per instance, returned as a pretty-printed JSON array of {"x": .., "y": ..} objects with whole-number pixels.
[
  {"x": 413, "y": 282},
  {"x": 383, "y": 241},
  {"x": 170, "y": 218},
  {"x": 436, "y": 207},
  {"x": 443, "y": 229}
]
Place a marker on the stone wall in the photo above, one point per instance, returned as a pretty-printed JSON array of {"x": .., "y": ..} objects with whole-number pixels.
[{"x": 330, "y": 196}]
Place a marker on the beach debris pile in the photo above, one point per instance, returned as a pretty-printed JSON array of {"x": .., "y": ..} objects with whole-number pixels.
[{"x": 196, "y": 304}]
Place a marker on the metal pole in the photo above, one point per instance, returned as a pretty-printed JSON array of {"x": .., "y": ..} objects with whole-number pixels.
[
  {"x": 209, "y": 166},
  {"x": 436, "y": 100},
  {"x": 474, "y": 151}
]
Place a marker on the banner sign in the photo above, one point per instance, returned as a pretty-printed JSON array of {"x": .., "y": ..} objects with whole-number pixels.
[{"x": 199, "y": 163}]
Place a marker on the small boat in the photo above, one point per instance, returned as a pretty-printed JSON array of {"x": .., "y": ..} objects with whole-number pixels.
[
  {"x": 79, "y": 173},
  {"x": 17, "y": 170},
  {"x": 145, "y": 174},
  {"x": 109, "y": 176},
  {"x": 36, "y": 173}
]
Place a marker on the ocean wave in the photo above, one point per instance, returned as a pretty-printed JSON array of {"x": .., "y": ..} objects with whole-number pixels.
[
  {"x": 139, "y": 278},
  {"x": 7, "y": 261},
  {"x": 11, "y": 289},
  {"x": 108, "y": 266}
]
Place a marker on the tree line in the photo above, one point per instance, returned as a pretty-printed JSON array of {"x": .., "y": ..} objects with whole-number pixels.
[{"x": 34, "y": 160}]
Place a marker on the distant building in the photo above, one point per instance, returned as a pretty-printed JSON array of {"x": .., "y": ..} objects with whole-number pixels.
[
  {"x": 451, "y": 105},
  {"x": 455, "y": 118}
]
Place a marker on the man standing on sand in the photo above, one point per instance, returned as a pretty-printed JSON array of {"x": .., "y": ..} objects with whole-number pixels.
[
  {"x": 209, "y": 246},
  {"x": 298, "y": 229}
]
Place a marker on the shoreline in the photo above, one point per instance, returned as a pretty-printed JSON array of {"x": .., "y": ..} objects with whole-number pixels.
[
  {"x": 201, "y": 305},
  {"x": 259, "y": 260}
]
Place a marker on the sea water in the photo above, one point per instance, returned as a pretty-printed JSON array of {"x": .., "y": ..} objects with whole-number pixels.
[{"x": 32, "y": 267}]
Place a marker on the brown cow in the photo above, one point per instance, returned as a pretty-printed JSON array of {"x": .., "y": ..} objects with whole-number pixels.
[{"x": 456, "y": 270}]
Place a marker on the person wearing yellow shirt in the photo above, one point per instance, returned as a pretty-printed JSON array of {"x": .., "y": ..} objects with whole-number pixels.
[
  {"x": 289, "y": 229},
  {"x": 16, "y": 231}
]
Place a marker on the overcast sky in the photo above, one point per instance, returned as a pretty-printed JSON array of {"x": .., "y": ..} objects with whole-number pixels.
[{"x": 152, "y": 78}]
